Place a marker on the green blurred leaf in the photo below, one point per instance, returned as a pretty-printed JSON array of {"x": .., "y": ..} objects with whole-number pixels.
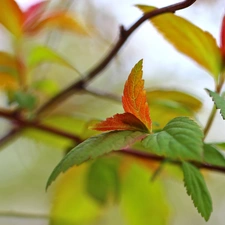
[
  {"x": 43, "y": 54},
  {"x": 143, "y": 202},
  {"x": 175, "y": 103},
  {"x": 213, "y": 156},
  {"x": 25, "y": 100},
  {"x": 46, "y": 86},
  {"x": 189, "y": 39},
  {"x": 94, "y": 147},
  {"x": 218, "y": 101},
  {"x": 220, "y": 145},
  {"x": 181, "y": 138},
  {"x": 197, "y": 189},
  {"x": 71, "y": 204},
  {"x": 103, "y": 181},
  {"x": 11, "y": 17}
]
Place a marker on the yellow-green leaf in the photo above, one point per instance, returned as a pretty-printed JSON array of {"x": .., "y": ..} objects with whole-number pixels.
[
  {"x": 174, "y": 103},
  {"x": 43, "y": 54},
  {"x": 189, "y": 39},
  {"x": 11, "y": 17},
  {"x": 71, "y": 202},
  {"x": 143, "y": 202}
]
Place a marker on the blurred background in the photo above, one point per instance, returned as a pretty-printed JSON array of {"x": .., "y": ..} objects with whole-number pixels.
[{"x": 131, "y": 198}]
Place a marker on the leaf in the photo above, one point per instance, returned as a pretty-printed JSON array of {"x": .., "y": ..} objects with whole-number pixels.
[
  {"x": 175, "y": 103},
  {"x": 43, "y": 54},
  {"x": 196, "y": 188},
  {"x": 143, "y": 202},
  {"x": 222, "y": 40},
  {"x": 103, "y": 181},
  {"x": 125, "y": 121},
  {"x": 181, "y": 139},
  {"x": 218, "y": 101},
  {"x": 25, "y": 100},
  {"x": 61, "y": 20},
  {"x": 8, "y": 82},
  {"x": 213, "y": 156},
  {"x": 11, "y": 17},
  {"x": 46, "y": 86},
  {"x": 71, "y": 202},
  {"x": 8, "y": 64},
  {"x": 136, "y": 116},
  {"x": 134, "y": 96},
  {"x": 33, "y": 14},
  {"x": 94, "y": 147},
  {"x": 188, "y": 39}
]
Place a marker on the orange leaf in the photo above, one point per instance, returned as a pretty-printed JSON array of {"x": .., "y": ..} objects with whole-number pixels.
[
  {"x": 222, "y": 39},
  {"x": 125, "y": 121},
  {"x": 136, "y": 116},
  {"x": 61, "y": 20},
  {"x": 11, "y": 17},
  {"x": 8, "y": 82},
  {"x": 134, "y": 96}
]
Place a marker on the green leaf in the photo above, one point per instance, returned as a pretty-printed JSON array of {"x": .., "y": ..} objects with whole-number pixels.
[
  {"x": 220, "y": 145},
  {"x": 25, "y": 100},
  {"x": 196, "y": 188},
  {"x": 94, "y": 147},
  {"x": 175, "y": 103},
  {"x": 218, "y": 101},
  {"x": 143, "y": 202},
  {"x": 47, "y": 86},
  {"x": 213, "y": 156},
  {"x": 189, "y": 39},
  {"x": 43, "y": 54},
  {"x": 103, "y": 181},
  {"x": 181, "y": 138}
]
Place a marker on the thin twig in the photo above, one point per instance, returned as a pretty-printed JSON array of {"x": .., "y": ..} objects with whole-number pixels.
[
  {"x": 13, "y": 133},
  {"x": 152, "y": 157},
  {"x": 17, "y": 214},
  {"x": 124, "y": 35},
  {"x": 23, "y": 123}
]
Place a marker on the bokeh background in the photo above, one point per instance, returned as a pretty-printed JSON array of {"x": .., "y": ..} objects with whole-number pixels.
[{"x": 26, "y": 162}]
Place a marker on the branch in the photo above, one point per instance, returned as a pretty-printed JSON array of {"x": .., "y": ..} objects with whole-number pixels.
[
  {"x": 13, "y": 133},
  {"x": 124, "y": 35},
  {"x": 152, "y": 157},
  {"x": 22, "y": 123}
]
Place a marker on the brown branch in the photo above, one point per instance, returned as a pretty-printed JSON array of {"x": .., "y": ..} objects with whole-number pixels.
[
  {"x": 152, "y": 157},
  {"x": 124, "y": 35},
  {"x": 22, "y": 123},
  {"x": 13, "y": 133}
]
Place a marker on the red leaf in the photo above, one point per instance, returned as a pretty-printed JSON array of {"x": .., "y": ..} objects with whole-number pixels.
[
  {"x": 33, "y": 13},
  {"x": 222, "y": 40},
  {"x": 136, "y": 116},
  {"x": 125, "y": 121},
  {"x": 134, "y": 96}
]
